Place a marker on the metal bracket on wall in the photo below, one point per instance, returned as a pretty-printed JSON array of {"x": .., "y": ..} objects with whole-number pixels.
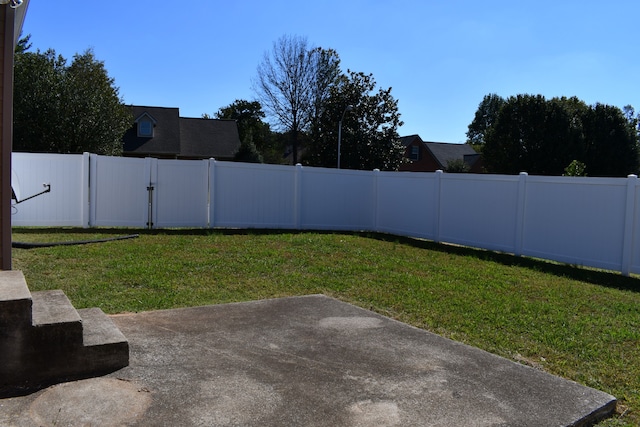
[{"x": 46, "y": 190}]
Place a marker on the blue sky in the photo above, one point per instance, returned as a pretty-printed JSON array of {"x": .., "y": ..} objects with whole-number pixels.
[{"x": 440, "y": 57}]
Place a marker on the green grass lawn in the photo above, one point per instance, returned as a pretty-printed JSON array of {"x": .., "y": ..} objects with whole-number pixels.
[{"x": 578, "y": 323}]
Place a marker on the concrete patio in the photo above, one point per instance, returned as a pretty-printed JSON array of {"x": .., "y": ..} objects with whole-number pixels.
[{"x": 303, "y": 361}]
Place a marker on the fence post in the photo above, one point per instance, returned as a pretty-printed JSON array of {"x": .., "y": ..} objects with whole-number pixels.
[
  {"x": 93, "y": 188},
  {"x": 521, "y": 200},
  {"x": 376, "y": 207},
  {"x": 84, "y": 188},
  {"x": 629, "y": 223},
  {"x": 212, "y": 193},
  {"x": 297, "y": 197},
  {"x": 436, "y": 206}
]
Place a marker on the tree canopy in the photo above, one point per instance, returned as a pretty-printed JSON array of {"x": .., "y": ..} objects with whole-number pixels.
[
  {"x": 369, "y": 131},
  {"x": 485, "y": 116},
  {"x": 304, "y": 91},
  {"x": 545, "y": 136},
  {"x": 258, "y": 142},
  {"x": 64, "y": 108}
]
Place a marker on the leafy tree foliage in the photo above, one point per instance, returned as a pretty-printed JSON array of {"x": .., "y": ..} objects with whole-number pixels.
[
  {"x": 255, "y": 134},
  {"x": 369, "y": 131},
  {"x": 633, "y": 120},
  {"x": 540, "y": 136},
  {"x": 457, "y": 166},
  {"x": 484, "y": 118},
  {"x": 532, "y": 135},
  {"x": 575, "y": 168},
  {"x": 327, "y": 74},
  {"x": 23, "y": 44},
  {"x": 248, "y": 152},
  {"x": 611, "y": 143},
  {"x": 66, "y": 108},
  {"x": 304, "y": 91},
  {"x": 37, "y": 110},
  {"x": 248, "y": 115}
]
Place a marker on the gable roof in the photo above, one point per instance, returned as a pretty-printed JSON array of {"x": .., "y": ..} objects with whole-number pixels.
[
  {"x": 406, "y": 140},
  {"x": 432, "y": 156},
  {"x": 445, "y": 152},
  {"x": 166, "y": 132},
  {"x": 181, "y": 137},
  {"x": 208, "y": 137},
  {"x": 147, "y": 115}
]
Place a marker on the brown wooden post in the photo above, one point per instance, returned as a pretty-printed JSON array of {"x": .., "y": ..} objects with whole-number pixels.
[{"x": 7, "y": 22}]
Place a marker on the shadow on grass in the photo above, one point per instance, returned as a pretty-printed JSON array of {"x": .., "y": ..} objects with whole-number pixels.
[
  {"x": 594, "y": 276},
  {"x": 605, "y": 278}
]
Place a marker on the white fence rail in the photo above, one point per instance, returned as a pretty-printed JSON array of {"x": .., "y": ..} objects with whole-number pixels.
[{"x": 584, "y": 221}]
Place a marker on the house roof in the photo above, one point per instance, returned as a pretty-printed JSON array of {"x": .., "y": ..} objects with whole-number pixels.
[
  {"x": 446, "y": 152},
  {"x": 147, "y": 115},
  {"x": 166, "y": 132},
  {"x": 443, "y": 152},
  {"x": 208, "y": 137},
  {"x": 184, "y": 137},
  {"x": 406, "y": 140}
]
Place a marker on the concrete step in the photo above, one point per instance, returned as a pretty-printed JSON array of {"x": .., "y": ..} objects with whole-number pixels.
[
  {"x": 105, "y": 348},
  {"x": 45, "y": 340},
  {"x": 15, "y": 300},
  {"x": 55, "y": 321}
]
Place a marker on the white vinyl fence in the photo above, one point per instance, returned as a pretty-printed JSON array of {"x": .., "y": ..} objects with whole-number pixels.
[{"x": 584, "y": 221}]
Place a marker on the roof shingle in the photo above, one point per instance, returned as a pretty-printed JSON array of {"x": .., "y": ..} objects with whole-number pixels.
[{"x": 181, "y": 137}]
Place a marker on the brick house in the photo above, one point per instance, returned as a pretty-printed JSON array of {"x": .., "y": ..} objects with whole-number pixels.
[{"x": 432, "y": 156}]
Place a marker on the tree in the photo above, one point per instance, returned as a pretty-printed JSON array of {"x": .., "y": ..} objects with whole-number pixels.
[
  {"x": 485, "y": 117},
  {"x": 291, "y": 82},
  {"x": 23, "y": 44},
  {"x": 369, "y": 131},
  {"x": 252, "y": 130},
  {"x": 561, "y": 136},
  {"x": 611, "y": 143},
  {"x": 633, "y": 120},
  {"x": 532, "y": 134},
  {"x": 457, "y": 166},
  {"x": 248, "y": 152},
  {"x": 248, "y": 115},
  {"x": 37, "y": 106},
  {"x": 326, "y": 75},
  {"x": 66, "y": 108},
  {"x": 575, "y": 168}
]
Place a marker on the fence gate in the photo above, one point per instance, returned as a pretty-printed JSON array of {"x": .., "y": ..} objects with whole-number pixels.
[{"x": 118, "y": 191}]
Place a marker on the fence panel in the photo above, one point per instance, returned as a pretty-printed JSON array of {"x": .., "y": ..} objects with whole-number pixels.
[
  {"x": 575, "y": 220},
  {"x": 407, "y": 204},
  {"x": 66, "y": 204},
  {"x": 479, "y": 211},
  {"x": 119, "y": 196},
  {"x": 337, "y": 199},
  {"x": 181, "y": 193},
  {"x": 635, "y": 231},
  {"x": 252, "y": 195},
  {"x": 584, "y": 221}
]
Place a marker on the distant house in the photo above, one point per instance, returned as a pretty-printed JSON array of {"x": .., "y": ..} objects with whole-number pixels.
[
  {"x": 160, "y": 132},
  {"x": 432, "y": 156}
]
